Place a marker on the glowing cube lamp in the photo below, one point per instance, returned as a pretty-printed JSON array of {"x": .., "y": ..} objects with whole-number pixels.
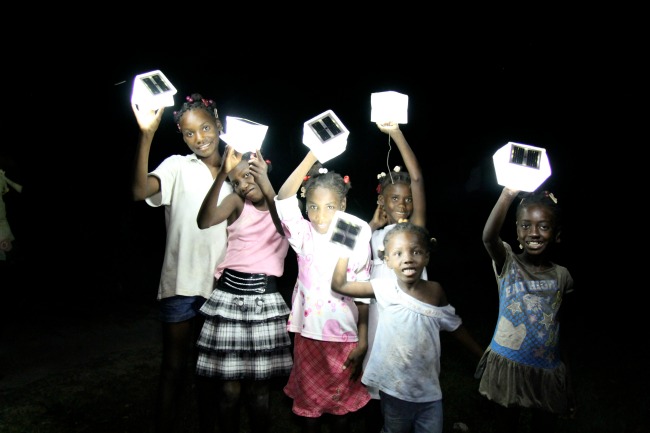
[
  {"x": 244, "y": 135},
  {"x": 521, "y": 166},
  {"x": 389, "y": 107},
  {"x": 325, "y": 135},
  {"x": 153, "y": 91},
  {"x": 347, "y": 230}
]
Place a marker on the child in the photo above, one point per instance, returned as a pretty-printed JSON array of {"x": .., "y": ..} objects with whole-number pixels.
[
  {"x": 522, "y": 367},
  {"x": 405, "y": 362},
  {"x": 400, "y": 197},
  {"x": 180, "y": 184},
  {"x": 6, "y": 236},
  {"x": 244, "y": 342},
  {"x": 330, "y": 331}
]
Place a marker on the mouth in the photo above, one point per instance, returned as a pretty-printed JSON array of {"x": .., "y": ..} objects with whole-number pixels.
[
  {"x": 409, "y": 272},
  {"x": 534, "y": 244},
  {"x": 204, "y": 146}
]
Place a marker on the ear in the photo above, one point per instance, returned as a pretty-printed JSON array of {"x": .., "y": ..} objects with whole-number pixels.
[
  {"x": 557, "y": 236},
  {"x": 380, "y": 199},
  {"x": 344, "y": 204}
]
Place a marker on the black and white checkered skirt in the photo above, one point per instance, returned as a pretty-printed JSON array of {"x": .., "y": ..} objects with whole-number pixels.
[{"x": 245, "y": 334}]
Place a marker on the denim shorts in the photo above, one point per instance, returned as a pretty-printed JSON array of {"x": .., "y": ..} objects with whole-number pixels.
[
  {"x": 406, "y": 416},
  {"x": 180, "y": 308}
]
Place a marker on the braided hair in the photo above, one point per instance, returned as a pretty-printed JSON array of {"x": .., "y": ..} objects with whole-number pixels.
[
  {"x": 421, "y": 232},
  {"x": 318, "y": 176},
  {"x": 541, "y": 198},
  {"x": 196, "y": 101},
  {"x": 397, "y": 175}
]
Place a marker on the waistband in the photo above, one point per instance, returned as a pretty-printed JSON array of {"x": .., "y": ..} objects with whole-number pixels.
[{"x": 238, "y": 283}]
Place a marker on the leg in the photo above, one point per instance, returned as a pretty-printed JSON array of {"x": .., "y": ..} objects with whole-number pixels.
[
  {"x": 340, "y": 423},
  {"x": 429, "y": 417},
  {"x": 311, "y": 425},
  {"x": 176, "y": 342},
  {"x": 257, "y": 399},
  {"x": 507, "y": 419},
  {"x": 208, "y": 403},
  {"x": 398, "y": 414},
  {"x": 229, "y": 406},
  {"x": 372, "y": 416},
  {"x": 542, "y": 421}
]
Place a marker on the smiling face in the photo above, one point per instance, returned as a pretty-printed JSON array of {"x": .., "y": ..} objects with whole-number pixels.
[
  {"x": 321, "y": 204},
  {"x": 536, "y": 229},
  {"x": 397, "y": 201},
  {"x": 406, "y": 256},
  {"x": 200, "y": 132},
  {"x": 243, "y": 182}
]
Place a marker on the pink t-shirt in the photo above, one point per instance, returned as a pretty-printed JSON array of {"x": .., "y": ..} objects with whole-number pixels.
[{"x": 254, "y": 245}]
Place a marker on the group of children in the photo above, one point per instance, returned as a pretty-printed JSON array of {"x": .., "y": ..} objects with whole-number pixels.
[{"x": 364, "y": 317}]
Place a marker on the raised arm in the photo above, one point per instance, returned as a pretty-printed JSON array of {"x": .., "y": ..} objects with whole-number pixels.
[
  {"x": 419, "y": 215},
  {"x": 18, "y": 187},
  {"x": 355, "y": 289},
  {"x": 211, "y": 213},
  {"x": 259, "y": 168},
  {"x": 293, "y": 182},
  {"x": 491, "y": 232},
  {"x": 143, "y": 185}
]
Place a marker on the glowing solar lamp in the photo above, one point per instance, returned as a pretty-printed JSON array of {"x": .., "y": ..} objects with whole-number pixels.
[
  {"x": 389, "y": 107},
  {"x": 152, "y": 91},
  {"x": 244, "y": 135},
  {"x": 521, "y": 166},
  {"x": 325, "y": 135},
  {"x": 347, "y": 230}
]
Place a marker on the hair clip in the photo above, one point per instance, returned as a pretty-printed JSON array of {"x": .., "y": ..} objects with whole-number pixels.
[
  {"x": 306, "y": 178},
  {"x": 322, "y": 170},
  {"x": 189, "y": 99},
  {"x": 397, "y": 169},
  {"x": 381, "y": 175},
  {"x": 346, "y": 179},
  {"x": 303, "y": 190},
  {"x": 551, "y": 196}
]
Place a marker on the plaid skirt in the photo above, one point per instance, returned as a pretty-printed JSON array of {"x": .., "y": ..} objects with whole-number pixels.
[
  {"x": 244, "y": 336},
  {"x": 318, "y": 384}
]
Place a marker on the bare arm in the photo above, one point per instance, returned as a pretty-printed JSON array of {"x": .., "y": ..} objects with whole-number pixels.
[
  {"x": 491, "y": 238},
  {"x": 211, "y": 213},
  {"x": 465, "y": 338},
  {"x": 18, "y": 187},
  {"x": 419, "y": 215},
  {"x": 259, "y": 168},
  {"x": 356, "y": 356},
  {"x": 143, "y": 185},
  {"x": 355, "y": 289},
  {"x": 293, "y": 182}
]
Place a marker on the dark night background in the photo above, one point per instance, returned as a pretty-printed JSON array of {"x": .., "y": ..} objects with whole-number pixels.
[{"x": 81, "y": 243}]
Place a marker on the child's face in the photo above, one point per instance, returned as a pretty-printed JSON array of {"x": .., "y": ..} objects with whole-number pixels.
[
  {"x": 200, "y": 132},
  {"x": 243, "y": 182},
  {"x": 406, "y": 256},
  {"x": 321, "y": 204},
  {"x": 535, "y": 229},
  {"x": 397, "y": 201}
]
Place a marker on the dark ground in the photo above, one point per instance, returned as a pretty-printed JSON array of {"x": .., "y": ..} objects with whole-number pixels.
[{"x": 65, "y": 369}]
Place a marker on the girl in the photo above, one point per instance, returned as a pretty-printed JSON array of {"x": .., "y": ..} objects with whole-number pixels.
[
  {"x": 330, "y": 331},
  {"x": 400, "y": 197},
  {"x": 522, "y": 367},
  {"x": 405, "y": 362},
  {"x": 180, "y": 184},
  {"x": 244, "y": 342}
]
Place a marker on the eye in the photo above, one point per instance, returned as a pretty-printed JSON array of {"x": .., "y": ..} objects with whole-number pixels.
[
  {"x": 207, "y": 128},
  {"x": 189, "y": 134},
  {"x": 330, "y": 207},
  {"x": 409, "y": 199}
]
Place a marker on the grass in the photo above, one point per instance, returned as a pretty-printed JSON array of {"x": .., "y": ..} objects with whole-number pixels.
[{"x": 115, "y": 395}]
